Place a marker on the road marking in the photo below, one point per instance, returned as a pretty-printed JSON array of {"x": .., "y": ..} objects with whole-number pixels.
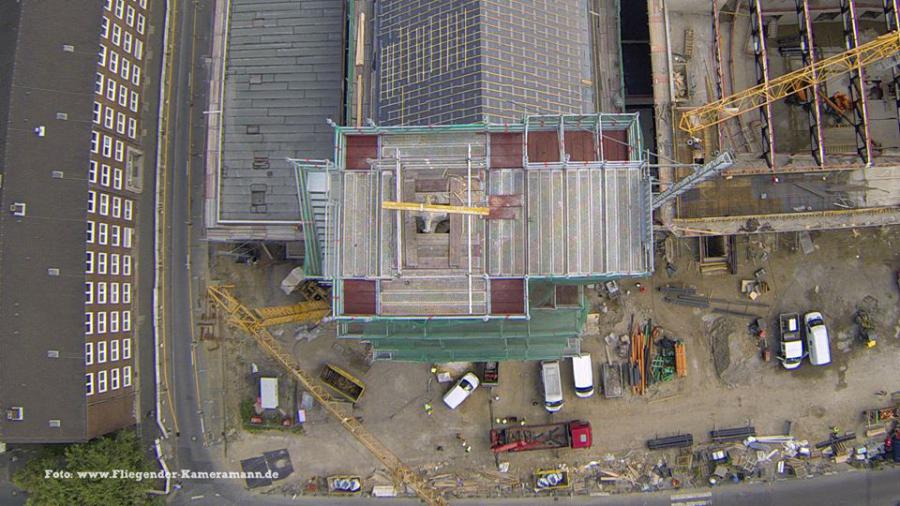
[{"x": 692, "y": 499}]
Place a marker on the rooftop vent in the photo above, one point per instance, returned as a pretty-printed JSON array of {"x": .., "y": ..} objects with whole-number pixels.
[
  {"x": 55, "y": 423},
  {"x": 69, "y": 48},
  {"x": 53, "y": 271},
  {"x": 52, "y": 353},
  {"x": 57, "y": 174},
  {"x": 18, "y": 209},
  {"x": 15, "y": 414},
  {"x": 62, "y": 115}
]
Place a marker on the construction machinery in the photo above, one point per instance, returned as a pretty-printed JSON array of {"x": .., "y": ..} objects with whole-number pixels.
[
  {"x": 574, "y": 434},
  {"x": 250, "y": 321},
  {"x": 695, "y": 120}
]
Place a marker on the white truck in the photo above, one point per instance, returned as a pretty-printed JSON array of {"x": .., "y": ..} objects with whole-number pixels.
[{"x": 791, "y": 354}]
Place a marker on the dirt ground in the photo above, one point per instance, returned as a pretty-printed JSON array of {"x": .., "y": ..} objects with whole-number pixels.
[{"x": 844, "y": 268}]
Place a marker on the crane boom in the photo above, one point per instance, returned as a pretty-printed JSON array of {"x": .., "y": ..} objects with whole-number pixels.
[
  {"x": 250, "y": 322},
  {"x": 435, "y": 208},
  {"x": 695, "y": 120}
]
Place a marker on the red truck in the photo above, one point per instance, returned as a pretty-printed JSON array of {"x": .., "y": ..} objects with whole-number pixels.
[{"x": 574, "y": 434}]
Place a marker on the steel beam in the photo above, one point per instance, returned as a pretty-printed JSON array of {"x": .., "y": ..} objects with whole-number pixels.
[
  {"x": 757, "y": 31},
  {"x": 813, "y": 102},
  {"x": 857, "y": 84}
]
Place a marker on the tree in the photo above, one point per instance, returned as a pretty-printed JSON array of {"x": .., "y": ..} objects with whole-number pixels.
[{"x": 121, "y": 450}]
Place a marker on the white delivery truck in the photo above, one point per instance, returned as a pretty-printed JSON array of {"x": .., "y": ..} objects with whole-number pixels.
[
  {"x": 582, "y": 371},
  {"x": 817, "y": 344},
  {"x": 552, "y": 380},
  {"x": 791, "y": 354}
]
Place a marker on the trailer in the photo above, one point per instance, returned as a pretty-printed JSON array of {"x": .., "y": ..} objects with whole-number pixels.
[
  {"x": 490, "y": 374},
  {"x": 573, "y": 434},
  {"x": 342, "y": 382},
  {"x": 551, "y": 479}
]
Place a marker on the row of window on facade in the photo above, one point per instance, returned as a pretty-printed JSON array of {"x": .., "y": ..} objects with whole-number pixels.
[
  {"x": 128, "y": 14},
  {"x": 101, "y": 348},
  {"x": 100, "y": 203},
  {"x": 111, "y": 87},
  {"x": 102, "y": 288},
  {"x": 114, "y": 120},
  {"x": 107, "y": 176},
  {"x": 118, "y": 378},
  {"x": 128, "y": 71},
  {"x": 96, "y": 263},
  {"x": 106, "y": 234},
  {"x": 97, "y": 322},
  {"x": 107, "y": 146}
]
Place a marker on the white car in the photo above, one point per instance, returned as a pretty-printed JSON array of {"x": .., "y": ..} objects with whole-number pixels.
[
  {"x": 461, "y": 390},
  {"x": 817, "y": 344}
]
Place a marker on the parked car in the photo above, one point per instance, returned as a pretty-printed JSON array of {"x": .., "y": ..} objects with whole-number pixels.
[
  {"x": 461, "y": 390},
  {"x": 582, "y": 370},
  {"x": 553, "y": 393},
  {"x": 791, "y": 354},
  {"x": 817, "y": 344}
]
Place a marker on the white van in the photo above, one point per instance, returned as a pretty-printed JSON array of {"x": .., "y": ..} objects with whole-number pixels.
[
  {"x": 817, "y": 344},
  {"x": 553, "y": 394},
  {"x": 582, "y": 370}
]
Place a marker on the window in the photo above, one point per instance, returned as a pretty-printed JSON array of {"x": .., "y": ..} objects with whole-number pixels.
[
  {"x": 104, "y": 204},
  {"x": 126, "y": 69},
  {"x": 101, "y": 263},
  {"x": 126, "y": 43},
  {"x": 113, "y": 321},
  {"x": 114, "y": 350},
  {"x": 101, "y": 292},
  {"x": 114, "y": 264},
  {"x": 117, "y": 173},
  {"x": 104, "y": 175},
  {"x": 126, "y": 240},
  {"x": 126, "y": 321},
  {"x": 101, "y": 350},
  {"x": 92, "y": 200},
  {"x": 89, "y": 383},
  {"x": 108, "y": 117},
  {"x": 92, "y": 172},
  {"x": 90, "y": 232},
  {"x": 126, "y": 347},
  {"x": 114, "y": 57},
  {"x": 126, "y": 265},
  {"x": 132, "y": 127},
  {"x": 97, "y": 109},
  {"x": 101, "y": 329},
  {"x": 134, "y": 101},
  {"x": 120, "y": 123},
  {"x": 129, "y": 16},
  {"x": 126, "y": 376},
  {"x": 107, "y": 145},
  {"x": 114, "y": 293},
  {"x": 102, "y": 233},
  {"x": 98, "y": 88},
  {"x": 128, "y": 209},
  {"x": 88, "y": 323},
  {"x": 120, "y": 151},
  {"x": 102, "y": 55},
  {"x": 88, "y": 353},
  {"x": 115, "y": 235},
  {"x": 104, "y": 27},
  {"x": 136, "y": 76},
  {"x": 88, "y": 292},
  {"x": 143, "y": 4},
  {"x": 117, "y": 207},
  {"x": 120, "y": 6},
  {"x": 89, "y": 263},
  {"x": 140, "y": 24},
  {"x": 95, "y": 142},
  {"x": 114, "y": 378},
  {"x": 123, "y": 95},
  {"x": 110, "y": 89},
  {"x": 101, "y": 377},
  {"x": 138, "y": 49},
  {"x": 126, "y": 293},
  {"x": 109, "y": 5}
]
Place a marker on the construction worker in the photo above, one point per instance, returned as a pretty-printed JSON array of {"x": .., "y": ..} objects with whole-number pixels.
[{"x": 428, "y": 409}]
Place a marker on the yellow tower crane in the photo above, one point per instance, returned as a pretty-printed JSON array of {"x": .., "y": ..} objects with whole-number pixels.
[
  {"x": 435, "y": 208},
  {"x": 254, "y": 324},
  {"x": 697, "y": 119}
]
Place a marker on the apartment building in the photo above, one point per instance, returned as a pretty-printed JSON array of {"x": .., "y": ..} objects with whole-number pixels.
[{"x": 72, "y": 167}]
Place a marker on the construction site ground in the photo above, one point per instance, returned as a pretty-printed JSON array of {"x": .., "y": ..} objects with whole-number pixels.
[{"x": 727, "y": 383}]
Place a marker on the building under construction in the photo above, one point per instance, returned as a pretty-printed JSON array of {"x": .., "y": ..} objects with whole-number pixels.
[{"x": 472, "y": 242}]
